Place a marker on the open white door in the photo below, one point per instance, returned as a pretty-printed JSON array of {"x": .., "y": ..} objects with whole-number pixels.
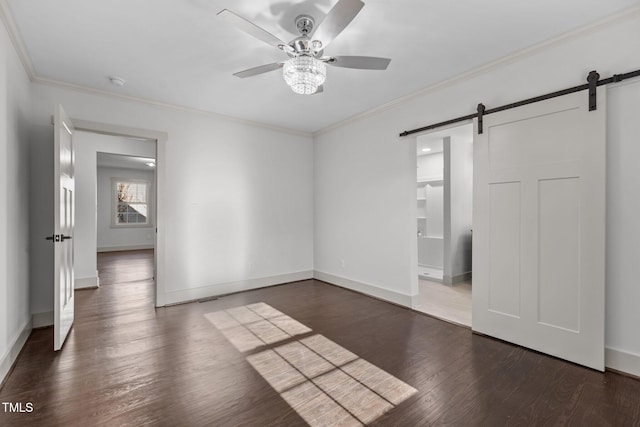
[
  {"x": 64, "y": 194},
  {"x": 539, "y": 227}
]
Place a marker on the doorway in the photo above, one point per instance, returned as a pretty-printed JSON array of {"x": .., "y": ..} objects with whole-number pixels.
[
  {"x": 145, "y": 146},
  {"x": 444, "y": 191},
  {"x": 126, "y": 213}
]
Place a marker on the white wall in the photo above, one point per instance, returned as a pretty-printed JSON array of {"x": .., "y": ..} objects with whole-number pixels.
[
  {"x": 430, "y": 166},
  {"x": 248, "y": 192},
  {"x": 110, "y": 238},
  {"x": 15, "y": 319},
  {"x": 430, "y": 244},
  {"x": 458, "y": 171},
  {"x": 365, "y": 173},
  {"x": 365, "y": 199},
  {"x": 87, "y": 145}
]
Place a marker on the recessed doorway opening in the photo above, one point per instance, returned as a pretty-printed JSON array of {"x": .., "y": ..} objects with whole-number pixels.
[{"x": 444, "y": 191}]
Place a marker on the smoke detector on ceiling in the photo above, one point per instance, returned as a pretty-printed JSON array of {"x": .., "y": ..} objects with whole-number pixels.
[{"x": 118, "y": 81}]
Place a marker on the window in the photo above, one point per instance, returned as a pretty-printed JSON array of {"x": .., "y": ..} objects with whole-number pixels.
[{"x": 131, "y": 202}]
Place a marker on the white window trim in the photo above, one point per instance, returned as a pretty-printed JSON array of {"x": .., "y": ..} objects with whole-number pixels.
[{"x": 114, "y": 202}]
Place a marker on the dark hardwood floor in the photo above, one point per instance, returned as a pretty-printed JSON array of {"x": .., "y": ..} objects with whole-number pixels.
[{"x": 126, "y": 363}]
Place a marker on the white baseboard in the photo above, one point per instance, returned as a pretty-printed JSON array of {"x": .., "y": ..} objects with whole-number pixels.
[
  {"x": 7, "y": 360},
  {"x": 448, "y": 280},
  {"x": 622, "y": 361},
  {"x": 366, "y": 288},
  {"x": 41, "y": 320},
  {"x": 124, "y": 248},
  {"x": 86, "y": 282},
  {"x": 185, "y": 295},
  {"x": 416, "y": 301}
]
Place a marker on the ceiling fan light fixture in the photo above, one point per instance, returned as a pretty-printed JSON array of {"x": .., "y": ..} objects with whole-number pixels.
[{"x": 304, "y": 74}]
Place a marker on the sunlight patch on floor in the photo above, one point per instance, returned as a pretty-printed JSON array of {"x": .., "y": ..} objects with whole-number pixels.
[
  {"x": 254, "y": 325},
  {"x": 322, "y": 381}
]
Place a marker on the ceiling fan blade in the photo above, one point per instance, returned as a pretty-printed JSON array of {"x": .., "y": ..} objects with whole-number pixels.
[
  {"x": 336, "y": 20},
  {"x": 252, "y": 29},
  {"x": 259, "y": 70},
  {"x": 359, "y": 62}
]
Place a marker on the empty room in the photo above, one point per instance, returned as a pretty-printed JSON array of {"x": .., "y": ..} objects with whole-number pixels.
[{"x": 319, "y": 212}]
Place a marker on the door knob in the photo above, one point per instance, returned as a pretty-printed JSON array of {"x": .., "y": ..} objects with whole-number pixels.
[{"x": 58, "y": 237}]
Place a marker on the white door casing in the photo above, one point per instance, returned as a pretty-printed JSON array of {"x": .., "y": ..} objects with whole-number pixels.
[
  {"x": 64, "y": 194},
  {"x": 539, "y": 227}
]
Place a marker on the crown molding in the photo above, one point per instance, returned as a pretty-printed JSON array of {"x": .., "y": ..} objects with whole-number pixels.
[
  {"x": 16, "y": 38},
  {"x": 616, "y": 18},
  {"x": 165, "y": 105},
  {"x": 25, "y": 59}
]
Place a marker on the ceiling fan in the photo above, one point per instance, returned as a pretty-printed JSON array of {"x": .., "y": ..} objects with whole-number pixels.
[{"x": 305, "y": 71}]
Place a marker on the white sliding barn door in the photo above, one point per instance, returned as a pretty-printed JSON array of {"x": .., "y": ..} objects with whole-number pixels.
[{"x": 539, "y": 227}]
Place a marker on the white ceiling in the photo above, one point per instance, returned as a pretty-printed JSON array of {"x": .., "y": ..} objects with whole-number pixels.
[{"x": 179, "y": 52}]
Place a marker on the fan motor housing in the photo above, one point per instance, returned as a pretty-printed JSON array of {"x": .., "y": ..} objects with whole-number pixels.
[{"x": 303, "y": 45}]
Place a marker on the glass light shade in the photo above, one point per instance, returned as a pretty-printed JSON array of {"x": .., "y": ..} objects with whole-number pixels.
[{"x": 304, "y": 74}]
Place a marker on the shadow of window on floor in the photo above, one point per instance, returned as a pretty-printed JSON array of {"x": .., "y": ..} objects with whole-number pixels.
[{"x": 322, "y": 381}]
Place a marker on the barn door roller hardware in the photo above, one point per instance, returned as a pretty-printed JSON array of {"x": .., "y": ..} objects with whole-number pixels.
[
  {"x": 592, "y": 78},
  {"x": 481, "y": 109},
  {"x": 593, "y": 81}
]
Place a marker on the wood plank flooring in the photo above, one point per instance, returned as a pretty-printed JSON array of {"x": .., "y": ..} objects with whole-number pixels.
[{"x": 126, "y": 363}]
